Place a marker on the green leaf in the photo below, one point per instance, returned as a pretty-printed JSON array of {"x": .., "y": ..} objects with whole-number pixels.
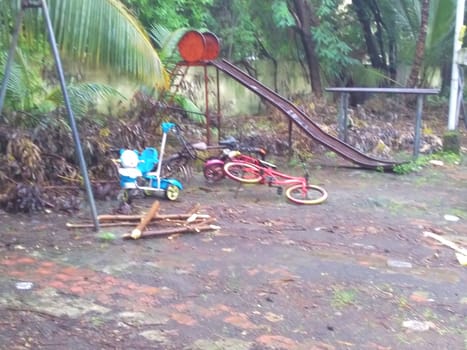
[{"x": 97, "y": 34}]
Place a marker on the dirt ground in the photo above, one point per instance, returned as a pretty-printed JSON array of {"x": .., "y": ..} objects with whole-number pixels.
[{"x": 355, "y": 272}]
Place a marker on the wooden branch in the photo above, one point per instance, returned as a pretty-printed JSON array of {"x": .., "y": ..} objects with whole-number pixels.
[
  {"x": 171, "y": 231},
  {"x": 136, "y": 233},
  {"x": 183, "y": 222},
  {"x": 446, "y": 242},
  {"x": 108, "y": 217},
  {"x": 194, "y": 209},
  {"x": 104, "y": 224},
  {"x": 110, "y": 220},
  {"x": 195, "y": 217},
  {"x": 129, "y": 220}
]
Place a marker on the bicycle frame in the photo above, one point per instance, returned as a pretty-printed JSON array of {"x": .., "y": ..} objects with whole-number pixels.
[
  {"x": 274, "y": 177},
  {"x": 298, "y": 190},
  {"x": 213, "y": 167}
]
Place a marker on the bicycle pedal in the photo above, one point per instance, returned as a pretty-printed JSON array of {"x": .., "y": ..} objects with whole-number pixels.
[
  {"x": 280, "y": 190},
  {"x": 269, "y": 180}
]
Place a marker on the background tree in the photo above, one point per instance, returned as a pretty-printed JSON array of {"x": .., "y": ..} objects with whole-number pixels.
[
  {"x": 306, "y": 18},
  {"x": 233, "y": 22},
  {"x": 413, "y": 80},
  {"x": 394, "y": 37},
  {"x": 93, "y": 36},
  {"x": 172, "y": 15},
  {"x": 380, "y": 33}
]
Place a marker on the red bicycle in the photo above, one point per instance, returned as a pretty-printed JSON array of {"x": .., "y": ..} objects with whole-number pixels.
[
  {"x": 297, "y": 189},
  {"x": 213, "y": 168},
  {"x": 179, "y": 164}
]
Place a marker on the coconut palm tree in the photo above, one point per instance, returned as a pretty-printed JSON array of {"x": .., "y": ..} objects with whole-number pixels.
[{"x": 91, "y": 34}]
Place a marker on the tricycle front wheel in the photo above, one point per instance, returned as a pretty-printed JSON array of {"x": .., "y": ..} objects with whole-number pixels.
[{"x": 172, "y": 192}]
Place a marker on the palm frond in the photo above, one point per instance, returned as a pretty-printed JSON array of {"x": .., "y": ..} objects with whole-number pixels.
[
  {"x": 14, "y": 86},
  {"x": 96, "y": 34},
  {"x": 166, "y": 40},
  {"x": 192, "y": 111},
  {"x": 105, "y": 33},
  {"x": 82, "y": 96},
  {"x": 442, "y": 21},
  {"x": 407, "y": 16},
  {"x": 23, "y": 83},
  {"x": 367, "y": 76}
]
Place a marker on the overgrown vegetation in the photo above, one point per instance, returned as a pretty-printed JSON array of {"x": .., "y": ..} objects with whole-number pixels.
[{"x": 424, "y": 160}]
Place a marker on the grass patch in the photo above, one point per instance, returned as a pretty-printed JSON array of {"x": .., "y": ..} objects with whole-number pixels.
[
  {"x": 331, "y": 155},
  {"x": 462, "y": 213},
  {"x": 422, "y": 161},
  {"x": 343, "y": 297},
  {"x": 106, "y": 236}
]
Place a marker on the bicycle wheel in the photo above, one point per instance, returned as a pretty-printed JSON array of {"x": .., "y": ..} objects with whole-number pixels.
[
  {"x": 143, "y": 182},
  {"x": 243, "y": 172},
  {"x": 310, "y": 194},
  {"x": 124, "y": 196},
  {"x": 213, "y": 173},
  {"x": 177, "y": 166}
]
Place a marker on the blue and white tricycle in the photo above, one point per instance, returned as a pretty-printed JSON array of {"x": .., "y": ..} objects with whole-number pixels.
[{"x": 136, "y": 171}]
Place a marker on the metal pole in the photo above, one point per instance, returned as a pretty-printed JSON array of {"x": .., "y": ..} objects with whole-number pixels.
[
  {"x": 161, "y": 155},
  {"x": 219, "y": 126},
  {"x": 418, "y": 126},
  {"x": 342, "y": 124},
  {"x": 206, "y": 96},
  {"x": 453, "y": 112},
  {"x": 346, "y": 117},
  {"x": 74, "y": 129},
  {"x": 11, "y": 55},
  {"x": 290, "y": 138},
  {"x": 460, "y": 94}
]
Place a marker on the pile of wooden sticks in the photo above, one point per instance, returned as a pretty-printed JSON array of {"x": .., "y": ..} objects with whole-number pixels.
[{"x": 168, "y": 224}]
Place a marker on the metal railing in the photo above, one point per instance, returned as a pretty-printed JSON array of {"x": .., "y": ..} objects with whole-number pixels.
[{"x": 344, "y": 103}]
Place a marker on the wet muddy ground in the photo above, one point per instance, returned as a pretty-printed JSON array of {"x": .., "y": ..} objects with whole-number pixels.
[{"x": 355, "y": 272}]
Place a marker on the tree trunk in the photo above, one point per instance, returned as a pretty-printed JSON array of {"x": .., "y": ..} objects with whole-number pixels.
[
  {"x": 367, "y": 14},
  {"x": 305, "y": 19},
  {"x": 420, "y": 48}
]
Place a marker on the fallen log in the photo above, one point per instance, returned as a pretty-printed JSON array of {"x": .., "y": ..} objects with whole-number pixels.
[{"x": 136, "y": 233}]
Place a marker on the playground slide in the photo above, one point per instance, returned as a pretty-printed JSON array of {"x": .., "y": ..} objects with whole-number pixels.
[{"x": 302, "y": 120}]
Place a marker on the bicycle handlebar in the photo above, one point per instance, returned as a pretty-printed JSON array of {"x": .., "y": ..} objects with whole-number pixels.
[{"x": 230, "y": 143}]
